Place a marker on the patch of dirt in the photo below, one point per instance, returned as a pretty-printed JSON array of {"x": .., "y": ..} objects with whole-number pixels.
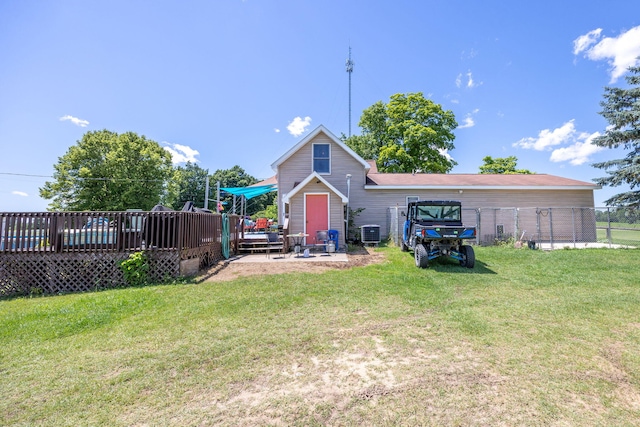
[{"x": 229, "y": 270}]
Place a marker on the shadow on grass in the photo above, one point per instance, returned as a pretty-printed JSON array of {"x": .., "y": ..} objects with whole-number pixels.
[{"x": 448, "y": 265}]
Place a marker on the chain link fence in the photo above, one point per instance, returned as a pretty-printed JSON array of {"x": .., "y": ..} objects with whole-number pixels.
[{"x": 547, "y": 228}]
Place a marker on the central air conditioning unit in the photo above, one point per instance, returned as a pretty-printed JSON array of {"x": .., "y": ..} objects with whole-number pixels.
[{"x": 370, "y": 234}]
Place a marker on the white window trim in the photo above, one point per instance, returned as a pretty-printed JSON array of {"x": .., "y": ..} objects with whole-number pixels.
[
  {"x": 313, "y": 157},
  {"x": 406, "y": 199}
]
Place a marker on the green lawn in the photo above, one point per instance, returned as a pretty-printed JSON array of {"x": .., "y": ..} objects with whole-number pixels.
[
  {"x": 628, "y": 237},
  {"x": 634, "y": 225},
  {"x": 525, "y": 338}
]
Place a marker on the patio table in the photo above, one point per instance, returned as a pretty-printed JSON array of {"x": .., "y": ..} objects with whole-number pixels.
[{"x": 296, "y": 240}]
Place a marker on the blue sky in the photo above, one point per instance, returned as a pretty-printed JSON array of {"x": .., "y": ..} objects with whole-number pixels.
[{"x": 234, "y": 82}]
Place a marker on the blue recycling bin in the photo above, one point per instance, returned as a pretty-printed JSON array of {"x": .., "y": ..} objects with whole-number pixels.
[{"x": 333, "y": 236}]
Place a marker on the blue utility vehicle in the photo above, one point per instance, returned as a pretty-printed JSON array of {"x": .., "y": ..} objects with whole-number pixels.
[{"x": 433, "y": 228}]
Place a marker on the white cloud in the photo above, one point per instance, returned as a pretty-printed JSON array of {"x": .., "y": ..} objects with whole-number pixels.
[
  {"x": 470, "y": 82},
  {"x": 298, "y": 125},
  {"x": 468, "y": 54},
  {"x": 181, "y": 153},
  {"x": 444, "y": 152},
  {"x": 548, "y": 138},
  {"x": 583, "y": 42},
  {"x": 468, "y": 121},
  {"x": 20, "y": 193},
  {"x": 620, "y": 52},
  {"x": 276, "y": 130},
  {"x": 578, "y": 153},
  {"x": 577, "y": 148},
  {"x": 76, "y": 121}
]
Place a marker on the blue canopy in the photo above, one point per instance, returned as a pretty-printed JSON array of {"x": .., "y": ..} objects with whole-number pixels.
[{"x": 250, "y": 192}]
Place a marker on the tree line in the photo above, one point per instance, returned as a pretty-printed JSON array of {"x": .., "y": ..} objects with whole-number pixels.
[{"x": 114, "y": 172}]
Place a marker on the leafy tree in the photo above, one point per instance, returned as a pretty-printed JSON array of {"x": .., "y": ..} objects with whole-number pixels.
[
  {"x": 188, "y": 184},
  {"x": 238, "y": 177},
  {"x": 621, "y": 108},
  {"x": 502, "y": 165},
  {"x": 270, "y": 211},
  {"x": 109, "y": 171},
  {"x": 409, "y": 134},
  {"x": 234, "y": 177},
  {"x": 364, "y": 145}
]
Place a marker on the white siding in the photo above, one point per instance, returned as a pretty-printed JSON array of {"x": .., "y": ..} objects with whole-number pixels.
[
  {"x": 299, "y": 166},
  {"x": 376, "y": 202},
  {"x": 296, "y": 210}
]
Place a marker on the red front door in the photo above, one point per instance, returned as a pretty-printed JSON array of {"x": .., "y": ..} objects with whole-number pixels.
[{"x": 316, "y": 215}]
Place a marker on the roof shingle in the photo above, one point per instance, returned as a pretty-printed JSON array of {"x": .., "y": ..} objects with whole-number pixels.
[{"x": 470, "y": 180}]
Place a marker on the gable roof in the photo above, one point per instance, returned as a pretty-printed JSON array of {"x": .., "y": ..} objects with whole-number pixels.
[
  {"x": 309, "y": 137},
  {"x": 307, "y": 180},
  {"x": 443, "y": 181},
  {"x": 272, "y": 180}
]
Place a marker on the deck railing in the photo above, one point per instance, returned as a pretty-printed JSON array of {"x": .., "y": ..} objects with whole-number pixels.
[
  {"x": 68, "y": 232},
  {"x": 77, "y": 251}
]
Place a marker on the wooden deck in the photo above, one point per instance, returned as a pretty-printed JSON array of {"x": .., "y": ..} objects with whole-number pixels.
[{"x": 59, "y": 252}]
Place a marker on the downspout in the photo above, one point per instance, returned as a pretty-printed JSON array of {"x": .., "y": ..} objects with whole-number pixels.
[{"x": 346, "y": 235}]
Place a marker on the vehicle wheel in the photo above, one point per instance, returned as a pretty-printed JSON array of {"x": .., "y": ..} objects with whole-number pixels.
[
  {"x": 469, "y": 256},
  {"x": 403, "y": 247},
  {"x": 422, "y": 258}
]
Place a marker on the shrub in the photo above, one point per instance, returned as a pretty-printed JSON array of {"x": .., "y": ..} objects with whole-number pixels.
[{"x": 135, "y": 269}]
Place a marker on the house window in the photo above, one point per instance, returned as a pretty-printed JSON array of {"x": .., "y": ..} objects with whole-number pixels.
[
  {"x": 412, "y": 199},
  {"x": 322, "y": 158}
]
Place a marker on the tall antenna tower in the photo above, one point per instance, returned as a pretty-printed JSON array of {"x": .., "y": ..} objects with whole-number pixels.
[{"x": 349, "y": 70}]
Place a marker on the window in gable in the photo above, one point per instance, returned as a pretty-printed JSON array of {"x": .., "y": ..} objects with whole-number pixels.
[{"x": 322, "y": 158}]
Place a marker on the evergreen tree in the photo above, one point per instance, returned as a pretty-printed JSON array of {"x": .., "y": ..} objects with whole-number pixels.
[{"x": 621, "y": 108}]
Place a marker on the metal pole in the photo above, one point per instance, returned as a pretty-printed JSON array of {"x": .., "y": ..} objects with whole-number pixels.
[
  {"x": 609, "y": 226},
  {"x": 218, "y": 205},
  {"x": 550, "y": 228},
  {"x": 478, "y": 225},
  {"x": 573, "y": 225},
  {"x": 346, "y": 236},
  {"x": 349, "y": 70},
  {"x": 206, "y": 194}
]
